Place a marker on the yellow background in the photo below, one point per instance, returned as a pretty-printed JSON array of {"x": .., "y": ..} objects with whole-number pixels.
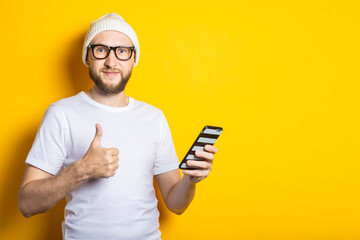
[{"x": 281, "y": 78}]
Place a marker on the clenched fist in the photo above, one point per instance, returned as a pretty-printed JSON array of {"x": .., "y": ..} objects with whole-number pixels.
[{"x": 100, "y": 162}]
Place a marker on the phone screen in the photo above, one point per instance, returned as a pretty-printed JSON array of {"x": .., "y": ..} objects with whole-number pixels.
[{"x": 207, "y": 136}]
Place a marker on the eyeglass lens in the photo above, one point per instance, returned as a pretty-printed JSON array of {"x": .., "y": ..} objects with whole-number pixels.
[{"x": 123, "y": 53}]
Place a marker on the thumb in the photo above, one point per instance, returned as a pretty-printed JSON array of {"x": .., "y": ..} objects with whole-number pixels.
[{"x": 98, "y": 134}]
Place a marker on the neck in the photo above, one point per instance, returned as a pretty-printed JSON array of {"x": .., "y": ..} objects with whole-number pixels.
[{"x": 112, "y": 100}]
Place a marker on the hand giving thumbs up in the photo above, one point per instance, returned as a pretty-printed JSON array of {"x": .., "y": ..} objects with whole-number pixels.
[{"x": 100, "y": 162}]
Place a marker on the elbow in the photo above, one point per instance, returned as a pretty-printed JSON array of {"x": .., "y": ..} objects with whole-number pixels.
[
  {"x": 27, "y": 215},
  {"x": 177, "y": 211},
  {"x": 28, "y": 210},
  {"x": 24, "y": 209},
  {"x": 176, "y": 208}
]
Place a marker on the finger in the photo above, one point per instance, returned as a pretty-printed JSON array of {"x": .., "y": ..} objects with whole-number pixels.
[
  {"x": 112, "y": 151},
  {"x": 113, "y": 170},
  {"x": 113, "y": 167},
  {"x": 98, "y": 134},
  {"x": 196, "y": 173},
  {"x": 111, "y": 159},
  {"x": 206, "y": 155},
  {"x": 114, "y": 160},
  {"x": 199, "y": 164},
  {"x": 210, "y": 148},
  {"x": 110, "y": 174},
  {"x": 116, "y": 167}
]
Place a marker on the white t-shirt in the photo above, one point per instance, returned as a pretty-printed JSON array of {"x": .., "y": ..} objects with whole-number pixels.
[{"x": 120, "y": 207}]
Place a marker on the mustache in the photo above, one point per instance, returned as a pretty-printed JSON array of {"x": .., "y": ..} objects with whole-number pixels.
[{"x": 111, "y": 70}]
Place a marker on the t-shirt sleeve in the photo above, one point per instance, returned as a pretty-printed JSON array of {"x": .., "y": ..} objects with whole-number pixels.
[
  {"x": 166, "y": 158},
  {"x": 49, "y": 148}
]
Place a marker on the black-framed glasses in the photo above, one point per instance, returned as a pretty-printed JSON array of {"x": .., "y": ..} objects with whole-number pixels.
[{"x": 101, "y": 51}]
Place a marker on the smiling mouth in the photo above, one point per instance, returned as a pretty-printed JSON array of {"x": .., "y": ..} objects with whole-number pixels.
[{"x": 110, "y": 74}]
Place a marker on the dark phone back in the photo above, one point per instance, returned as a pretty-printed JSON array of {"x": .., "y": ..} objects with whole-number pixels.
[{"x": 207, "y": 136}]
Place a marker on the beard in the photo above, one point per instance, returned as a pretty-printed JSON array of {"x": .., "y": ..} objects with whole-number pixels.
[{"x": 110, "y": 89}]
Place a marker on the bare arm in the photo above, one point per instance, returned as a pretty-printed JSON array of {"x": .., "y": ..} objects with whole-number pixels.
[
  {"x": 40, "y": 190},
  {"x": 178, "y": 192}
]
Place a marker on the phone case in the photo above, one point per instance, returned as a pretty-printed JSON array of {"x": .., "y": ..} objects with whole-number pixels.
[{"x": 207, "y": 136}]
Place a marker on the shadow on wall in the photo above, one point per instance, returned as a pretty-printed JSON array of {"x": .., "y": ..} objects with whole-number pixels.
[
  {"x": 9, "y": 206},
  {"x": 78, "y": 80}
]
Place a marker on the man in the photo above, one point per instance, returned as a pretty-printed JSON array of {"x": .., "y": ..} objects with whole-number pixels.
[{"x": 101, "y": 149}]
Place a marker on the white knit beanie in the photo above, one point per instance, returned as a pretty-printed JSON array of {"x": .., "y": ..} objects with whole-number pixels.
[{"x": 111, "y": 22}]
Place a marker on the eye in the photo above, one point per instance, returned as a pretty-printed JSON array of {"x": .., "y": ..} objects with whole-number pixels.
[
  {"x": 100, "y": 49},
  {"x": 122, "y": 50}
]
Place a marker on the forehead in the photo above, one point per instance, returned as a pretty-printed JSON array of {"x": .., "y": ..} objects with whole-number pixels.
[{"x": 112, "y": 38}]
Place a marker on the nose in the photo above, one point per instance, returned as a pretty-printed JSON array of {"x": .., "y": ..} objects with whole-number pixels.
[{"x": 111, "y": 60}]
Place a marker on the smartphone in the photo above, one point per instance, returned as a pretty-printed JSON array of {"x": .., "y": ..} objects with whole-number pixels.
[{"x": 207, "y": 136}]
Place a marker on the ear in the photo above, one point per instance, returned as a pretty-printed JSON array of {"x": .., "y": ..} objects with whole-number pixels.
[
  {"x": 134, "y": 60},
  {"x": 86, "y": 59}
]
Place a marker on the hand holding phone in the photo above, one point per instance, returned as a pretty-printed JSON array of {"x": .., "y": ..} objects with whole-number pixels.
[{"x": 207, "y": 136}]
